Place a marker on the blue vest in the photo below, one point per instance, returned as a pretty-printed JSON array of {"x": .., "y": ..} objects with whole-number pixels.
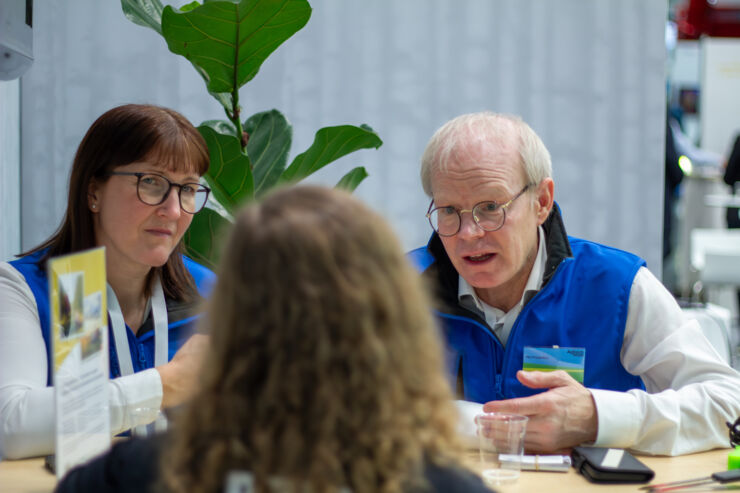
[
  {"x": 181, "y": 322},
  {"x": 583, "y": 305}
]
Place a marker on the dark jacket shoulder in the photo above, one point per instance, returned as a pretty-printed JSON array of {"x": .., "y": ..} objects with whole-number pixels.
[
  {"x": 444, "y": 478},
  {"x": 130, "y": 466}
]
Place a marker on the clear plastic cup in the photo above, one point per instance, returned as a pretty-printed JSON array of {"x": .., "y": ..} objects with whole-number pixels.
[{"x": 501, "y": 439}]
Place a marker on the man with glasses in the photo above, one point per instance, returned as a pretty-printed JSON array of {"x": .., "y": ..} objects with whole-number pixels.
[{"x": 516, "y": 293}]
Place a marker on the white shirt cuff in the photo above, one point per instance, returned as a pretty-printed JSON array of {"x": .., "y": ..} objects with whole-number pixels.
[
  {"x": 135, "y": 399},
  {"x": 619, "y": 418},
  {"x": 466, "y": 427}
]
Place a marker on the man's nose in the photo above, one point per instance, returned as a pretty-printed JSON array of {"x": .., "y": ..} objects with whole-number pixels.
[{"x": 468, "y": 227}]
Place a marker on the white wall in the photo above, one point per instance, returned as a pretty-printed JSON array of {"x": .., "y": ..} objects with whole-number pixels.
[
  {"x": 10, "y": 154},
  {"x": 588, "y": 75},
  {"x": 720, "y": 93}
]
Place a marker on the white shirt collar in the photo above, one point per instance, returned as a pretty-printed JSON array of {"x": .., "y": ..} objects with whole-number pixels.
[{"x": 502, "y": 322}]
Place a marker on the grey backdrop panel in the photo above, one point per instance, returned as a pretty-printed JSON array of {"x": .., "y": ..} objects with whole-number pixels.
[{"x": 588, "y": 75}]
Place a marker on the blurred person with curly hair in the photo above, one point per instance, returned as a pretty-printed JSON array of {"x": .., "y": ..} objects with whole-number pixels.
[{"x": 325, "y": 368}]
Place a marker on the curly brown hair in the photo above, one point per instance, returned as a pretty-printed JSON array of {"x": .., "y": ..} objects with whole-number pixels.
[{"x": 325, "y": 365}]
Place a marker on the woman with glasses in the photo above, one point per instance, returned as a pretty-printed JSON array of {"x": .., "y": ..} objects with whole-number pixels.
[
  {"x": 324, "y": 372},
  {"x": 133, "y": 189}
]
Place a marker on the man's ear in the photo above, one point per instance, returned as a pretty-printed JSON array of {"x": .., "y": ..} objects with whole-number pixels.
[{"x": 545, "y": 199}]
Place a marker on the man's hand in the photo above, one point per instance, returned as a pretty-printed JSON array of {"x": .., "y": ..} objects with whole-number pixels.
[
  {"x": 180, "y": 377},
  {"x": 560, "y": 418}
]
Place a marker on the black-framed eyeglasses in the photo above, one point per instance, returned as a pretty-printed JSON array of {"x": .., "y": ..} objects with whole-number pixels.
[
  {"x": 488, "y": 215},
  {"x": 153, "y": 189}
]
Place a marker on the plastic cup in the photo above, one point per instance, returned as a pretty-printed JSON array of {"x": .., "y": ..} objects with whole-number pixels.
[{"x": 501, "y": 439}]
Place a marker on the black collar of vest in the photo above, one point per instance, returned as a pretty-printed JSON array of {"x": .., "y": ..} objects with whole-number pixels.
[{"x": 556, "y": 243}]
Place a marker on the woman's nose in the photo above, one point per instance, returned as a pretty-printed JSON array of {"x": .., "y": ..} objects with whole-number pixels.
[{"x": 171, "y": 205}]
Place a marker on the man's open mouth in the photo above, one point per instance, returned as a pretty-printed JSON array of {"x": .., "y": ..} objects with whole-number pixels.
[{"x": 479, "y": 258}]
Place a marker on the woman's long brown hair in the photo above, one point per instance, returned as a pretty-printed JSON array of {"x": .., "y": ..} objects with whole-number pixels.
[
  {"x": 325, "y": 365},
  {"x": 120, "y": 136}
]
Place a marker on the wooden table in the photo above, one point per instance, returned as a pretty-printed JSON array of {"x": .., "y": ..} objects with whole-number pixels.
[
  {"x": 29, "y": 476},
  {"x": 666, "y": 469},
  {"x": 26, "y": 476}
]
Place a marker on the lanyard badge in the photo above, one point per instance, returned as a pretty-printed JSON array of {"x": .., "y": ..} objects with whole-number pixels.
[
  {"x": 570, "y": 359},
  {"x": 120, "y": 338}
]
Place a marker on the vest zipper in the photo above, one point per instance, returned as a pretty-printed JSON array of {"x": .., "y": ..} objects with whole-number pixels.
[{"x": 507, "y": 355}]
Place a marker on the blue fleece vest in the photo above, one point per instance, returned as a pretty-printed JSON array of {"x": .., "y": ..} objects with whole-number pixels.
[
  {"x": 142, "y": 346},
  {"x": 583, "y": 305}
]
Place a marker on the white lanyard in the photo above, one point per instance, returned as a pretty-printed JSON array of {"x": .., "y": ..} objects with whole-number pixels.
[{"x": 159, "y": 315}]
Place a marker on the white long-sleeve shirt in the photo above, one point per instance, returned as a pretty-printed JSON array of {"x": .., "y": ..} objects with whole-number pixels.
[
  {"x": 26, "y": 403},
  {"x": 689, "y": 391}
]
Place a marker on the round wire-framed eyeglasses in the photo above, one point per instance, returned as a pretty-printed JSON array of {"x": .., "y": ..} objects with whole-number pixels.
[{"x": 488, "y": 215}]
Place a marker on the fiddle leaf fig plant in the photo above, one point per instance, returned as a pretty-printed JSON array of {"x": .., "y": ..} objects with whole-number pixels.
[{"x": 227, "y": 41}]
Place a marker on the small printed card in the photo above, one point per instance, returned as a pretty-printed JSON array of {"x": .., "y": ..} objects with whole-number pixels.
[
  {"x": 570, "y": 359},
  {"x": 79, "y": 326}
]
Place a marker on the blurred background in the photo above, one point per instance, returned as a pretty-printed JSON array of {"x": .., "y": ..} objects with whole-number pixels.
[{"x": 638, "y": 102}]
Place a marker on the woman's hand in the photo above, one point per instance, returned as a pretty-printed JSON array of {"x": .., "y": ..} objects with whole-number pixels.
[{"x": 180, "y": 376}]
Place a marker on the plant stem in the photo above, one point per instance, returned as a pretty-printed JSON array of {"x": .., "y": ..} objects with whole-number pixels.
[
  {"x": 236, "y": 110},
  {"x": 235, "y": 115}
]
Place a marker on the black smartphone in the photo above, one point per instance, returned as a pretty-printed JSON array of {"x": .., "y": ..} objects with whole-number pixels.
[{"x": 609, "y": 465}]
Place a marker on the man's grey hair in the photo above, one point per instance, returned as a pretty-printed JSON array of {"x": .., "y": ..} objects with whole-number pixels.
[{"x": 450, "y": 141}]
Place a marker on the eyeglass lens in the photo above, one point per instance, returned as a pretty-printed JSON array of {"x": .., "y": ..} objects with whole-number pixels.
[
  {"x": 446, "y": 220},
  {"x": 153, "y": 188}
]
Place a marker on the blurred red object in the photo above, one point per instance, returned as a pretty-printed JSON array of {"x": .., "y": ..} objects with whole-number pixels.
[{"x": 711, "y": 18}]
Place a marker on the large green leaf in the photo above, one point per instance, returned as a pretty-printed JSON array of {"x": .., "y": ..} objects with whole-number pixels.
[
  {"x": 202, "y": 239},
  {"x": 222, "y": 97},
  {"x": 221, "y": 126},
  {"x": 350, "y": 181},
  {"x": 230, "y": 173},
  {"x": 330, "y": 143},
  {"x": 229, "y": 40},
  {"x": 270, "y": 136},
  {"x": 147, "y": 13}
]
